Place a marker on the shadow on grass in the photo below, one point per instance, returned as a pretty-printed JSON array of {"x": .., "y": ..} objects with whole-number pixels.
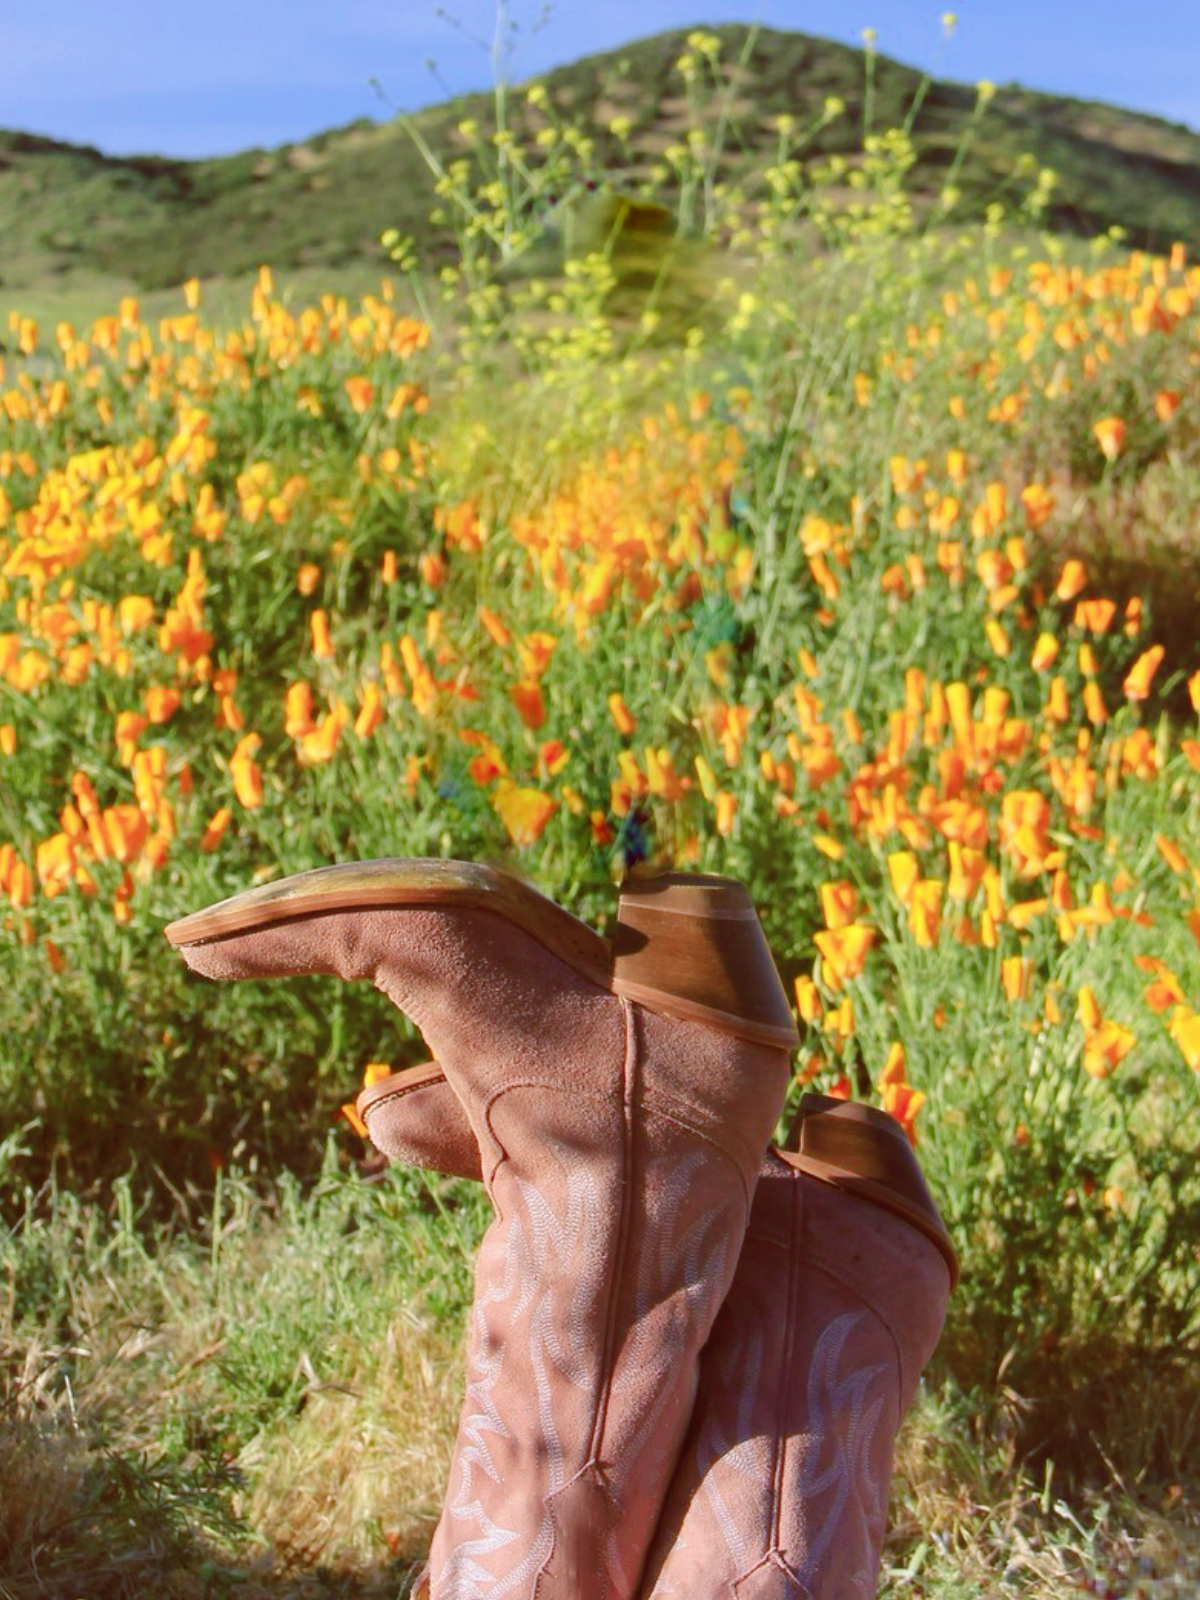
[{"x": 78, "y": 1518}]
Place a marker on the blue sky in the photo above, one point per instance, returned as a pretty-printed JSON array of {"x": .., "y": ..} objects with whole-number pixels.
[{"x": 131, "y": 76}]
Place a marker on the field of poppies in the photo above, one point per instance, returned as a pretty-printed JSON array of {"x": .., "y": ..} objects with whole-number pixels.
[{"x": 873, "y": 586}]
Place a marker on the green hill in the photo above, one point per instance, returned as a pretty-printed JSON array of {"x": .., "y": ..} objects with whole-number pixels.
[{"x": 73, "y": 219}]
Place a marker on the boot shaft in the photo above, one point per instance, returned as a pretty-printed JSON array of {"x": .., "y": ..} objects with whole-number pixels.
[
  {"x": 620, "y": 1142},
  {"x": 781, "y": 1489}
]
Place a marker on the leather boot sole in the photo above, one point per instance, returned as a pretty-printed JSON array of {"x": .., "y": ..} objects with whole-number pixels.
[{"x": 687, "y": 945}]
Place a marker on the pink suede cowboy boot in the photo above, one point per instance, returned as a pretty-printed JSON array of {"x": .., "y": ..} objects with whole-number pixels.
[
  {"x": 836, "y": 1305},
  {"x": 620, "y": 1099},
  {"x": 781, "y": 1490}
]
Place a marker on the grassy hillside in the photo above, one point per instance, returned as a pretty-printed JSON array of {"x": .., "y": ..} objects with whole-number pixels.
[
  {"x": 77, "y": 225},
  {"x": 873, "y": 585}
]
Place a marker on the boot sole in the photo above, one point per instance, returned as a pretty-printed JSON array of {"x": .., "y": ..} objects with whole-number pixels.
[{"x": 689, "y": 946}]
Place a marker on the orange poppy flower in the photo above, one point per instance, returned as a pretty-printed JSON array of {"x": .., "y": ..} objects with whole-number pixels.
[
  {"x": 1037, "y": 503},
  {"x": 298, "y": 717},
  {"x": 553, "y": 756},
  {"x": 1015, "y": 973},
  {"x": 489, "y": 764},
  {"x": 1095, "y": 615},
  {"x": 434, "y": 569},
  {"x": 1184, "y": 1028},
  {"x": 1165, "y": 991},
  {"x": 495, "y": 627},
  {"x": 1089, "y": 1008},
  {"x": 535, "y": 651},
  {"x": 20, "y": 885},
  {"x": 904, "y": 870},
  {"x": 322, "y": 644},
  {"x": 215, "y": 830},
  {"x": 902, "y": 1101},
  {"x": 925, "y": 911},
  {"x": 1138, "y": 679},
  {"x": 621, "y": 715},
  {"x": 661, "y": 778},
  {"x": 1045, "y": 652},
  {"x": 1093, "y": 704},
  {"x": 247, "y": 782},
  {"x": 844, "y": 952},
  {"x": 967, "y": 867},
  {"x": 839, "y": 904},
  {"x": 125, "y": 830},
  {"x": 1171, "y": 853},
  {"x": 1072, "y": 581},
  {"x": 1058, "y": 706},
  {"x": 370, "y": 713},
  {"x": 524, "y": 812},
  {"x": 808, "y": 999},
  {"x": 350, "y": 1112},
  {"x": 161, "y": 703},
  {"x": 1110, "y": 435},
  {"x": 1106, "y": 1048},
  {"x": 895, "y": 1067},
  {"x": 319, "y": 745},
  {"x": 531, "y": 708},
  {"x": 360, "y": 391}
]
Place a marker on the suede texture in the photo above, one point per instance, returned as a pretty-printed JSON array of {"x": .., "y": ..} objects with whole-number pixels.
[
  {"x": 422, "y": 1124},
  {"x": 835, "y": 1307},
  {"x": 620, "y": 1149},
  {"x": 781, "y": 1490}
]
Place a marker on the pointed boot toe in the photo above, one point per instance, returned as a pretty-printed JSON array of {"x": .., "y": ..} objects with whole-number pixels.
[{"x": 415, "y": 1118}]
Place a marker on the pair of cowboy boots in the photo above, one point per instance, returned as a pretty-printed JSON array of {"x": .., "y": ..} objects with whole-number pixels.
[{"x": 688, "y": 1361}]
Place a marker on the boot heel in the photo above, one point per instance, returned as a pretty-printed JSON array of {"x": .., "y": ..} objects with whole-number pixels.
[
  {"x": 691, "y": 946},
  {"x": 865, "y": 1152}
]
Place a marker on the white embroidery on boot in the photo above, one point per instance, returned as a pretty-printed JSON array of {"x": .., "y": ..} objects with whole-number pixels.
[
  {"x": 842, "y": 1420},
  {"x": 749, "y": 1454},
  {"x": 541, "y": 1279},
  {"x": 537, "y": 1247},
  {"x": 684, "y": 1267},
  {"x": 827, "y": 1471}
]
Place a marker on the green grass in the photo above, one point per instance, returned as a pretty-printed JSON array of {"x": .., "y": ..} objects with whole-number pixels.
[
  {"x": 257, "y": 1399},
  {"x": 264, "y": 1386},
  {"x": 779, "y": 505}
]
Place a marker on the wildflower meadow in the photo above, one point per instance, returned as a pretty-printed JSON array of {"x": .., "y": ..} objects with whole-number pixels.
[{"x": 837, "y": 544}]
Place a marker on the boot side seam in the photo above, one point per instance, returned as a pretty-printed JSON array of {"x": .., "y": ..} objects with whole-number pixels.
[
  {"x": 500, "y": 1093},
  {"x": 631, "y": 1081},
  {"x": 795, "y": 1251},
  {"x": 714, "y": 1133}
]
